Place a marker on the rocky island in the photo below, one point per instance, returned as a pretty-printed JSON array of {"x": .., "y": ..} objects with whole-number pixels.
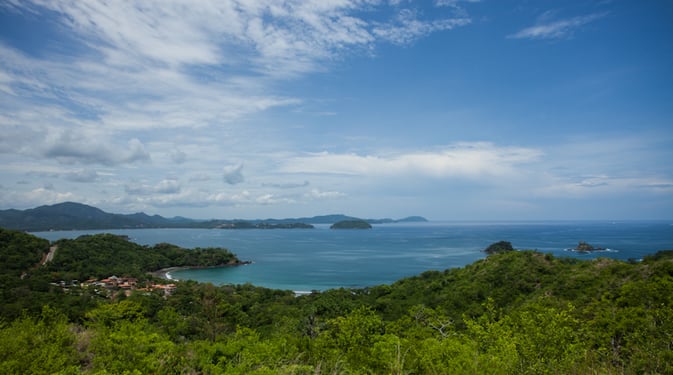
[
  {"x": 585, "y": 247},
  {"x": 351, "y": 224}
]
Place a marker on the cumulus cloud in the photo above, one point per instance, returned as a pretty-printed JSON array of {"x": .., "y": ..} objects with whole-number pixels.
[
  {"x": 459, "y": 160},
  {"x": 547, "y": 28},
  {"x": 233, "y": 174},
  {"x": 70, "y": 147}
]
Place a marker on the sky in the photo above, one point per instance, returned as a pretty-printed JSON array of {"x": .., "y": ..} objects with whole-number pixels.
[{"x": 448, "y": 109}]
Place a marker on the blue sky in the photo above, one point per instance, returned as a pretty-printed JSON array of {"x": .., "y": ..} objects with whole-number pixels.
[{"x": 450, "y": 109}]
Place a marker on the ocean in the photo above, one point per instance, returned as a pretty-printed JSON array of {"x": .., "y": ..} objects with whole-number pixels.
[{"x": 303, "y": 260}]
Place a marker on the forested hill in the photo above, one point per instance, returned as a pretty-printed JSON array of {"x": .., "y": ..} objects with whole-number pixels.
[
  {"x": 70, "y": 215},
  {"x": 77, "y": 216},
  {"x": 24, "y": 265},
  {"x": 513, "y": 312}
]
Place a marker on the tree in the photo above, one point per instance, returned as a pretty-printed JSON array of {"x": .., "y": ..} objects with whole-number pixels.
[{"x": 38, "y": 346}]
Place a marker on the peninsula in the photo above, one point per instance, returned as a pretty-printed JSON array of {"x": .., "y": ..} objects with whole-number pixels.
[
  {"x": 351, "y": 224},
  {"x": 263, "y": 225}
]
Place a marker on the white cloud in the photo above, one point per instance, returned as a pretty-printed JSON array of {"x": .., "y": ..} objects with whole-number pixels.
[
  {"x": 469, "y": 160},
  {"x": 453, "y": 2},
  {"x": 247, "y": 198},
  {"x": 555, "y": 29},
  {"x": 271, "y": 199},
  {"x": 278, "y": 37},
  {"x": 69, "y": 147},
  {"x": 174, "y": 65},
  {"x": 317, "y": 194},
  {"x": 407, "y": 28}
]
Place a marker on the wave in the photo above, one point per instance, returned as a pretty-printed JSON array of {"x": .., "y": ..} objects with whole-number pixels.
[{"x": 607, "y": 250}]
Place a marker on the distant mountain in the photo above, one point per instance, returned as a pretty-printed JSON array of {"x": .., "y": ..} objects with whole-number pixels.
[
  {"x": 409, "y": 219},
  {"x": 331, "y": 219},
  {"x": 73, "y": 216}
]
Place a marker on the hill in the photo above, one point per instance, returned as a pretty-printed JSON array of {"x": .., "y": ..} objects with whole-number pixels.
[
  {"x": 71, "y": 215},
  {"x": 77, "y": 216},
  {"x": 522, "y": 312}
]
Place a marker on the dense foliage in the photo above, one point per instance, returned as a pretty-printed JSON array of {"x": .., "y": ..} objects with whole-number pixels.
[
  {"x": 107, "y": 254},
  {"x": 27, "y": 279},
  {"x": 515, "y": 312}
]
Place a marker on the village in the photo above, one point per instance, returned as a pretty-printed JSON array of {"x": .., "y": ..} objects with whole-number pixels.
[{"x": 112, "y": 286}]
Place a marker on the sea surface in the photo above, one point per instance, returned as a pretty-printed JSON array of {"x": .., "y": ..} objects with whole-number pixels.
[{"x": 321, "y": 258}]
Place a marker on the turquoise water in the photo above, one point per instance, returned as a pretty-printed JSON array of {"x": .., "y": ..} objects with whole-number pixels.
[{"x": 319, "y": 259}]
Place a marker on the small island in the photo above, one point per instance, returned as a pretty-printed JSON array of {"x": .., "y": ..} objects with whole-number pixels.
[
  {"x": 351, "y": 224},
  {"x": 585, "y": 247}
]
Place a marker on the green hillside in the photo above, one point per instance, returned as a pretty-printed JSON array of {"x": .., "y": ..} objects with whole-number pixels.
[
  {"x": 513, "y": 312},
  {"x": 107, "y": 254}
]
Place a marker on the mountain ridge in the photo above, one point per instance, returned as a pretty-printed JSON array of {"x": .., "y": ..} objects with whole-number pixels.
[{"x": 79, "y": 216}]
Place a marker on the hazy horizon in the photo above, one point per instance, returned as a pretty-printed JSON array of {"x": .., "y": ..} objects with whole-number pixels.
[{"x": 447, "y": 109}]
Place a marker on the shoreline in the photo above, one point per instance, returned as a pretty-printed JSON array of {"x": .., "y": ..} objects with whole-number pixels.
[{"x": 165, "y": 273}]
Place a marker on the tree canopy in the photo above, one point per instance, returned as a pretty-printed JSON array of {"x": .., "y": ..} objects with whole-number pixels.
[{"x": 514, "y": 312}]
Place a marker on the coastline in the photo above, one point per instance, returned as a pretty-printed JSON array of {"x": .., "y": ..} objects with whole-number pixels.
[{"x": 165, "y": 273}]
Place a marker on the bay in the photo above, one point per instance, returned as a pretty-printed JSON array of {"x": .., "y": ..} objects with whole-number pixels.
[{"x": 321, "y": 258}]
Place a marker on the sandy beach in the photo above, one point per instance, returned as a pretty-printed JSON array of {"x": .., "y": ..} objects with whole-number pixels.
[{"x": 165, "y": 273}]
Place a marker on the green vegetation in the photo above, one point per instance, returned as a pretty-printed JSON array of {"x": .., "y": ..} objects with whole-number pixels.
[
  {"x": 28, "y": 279},
  {"x": 513, "y": 312},
  {"x": 351, "y": 224},
  {"x": 499, "y": 247},
  {"x": 107, "y": 254}
]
